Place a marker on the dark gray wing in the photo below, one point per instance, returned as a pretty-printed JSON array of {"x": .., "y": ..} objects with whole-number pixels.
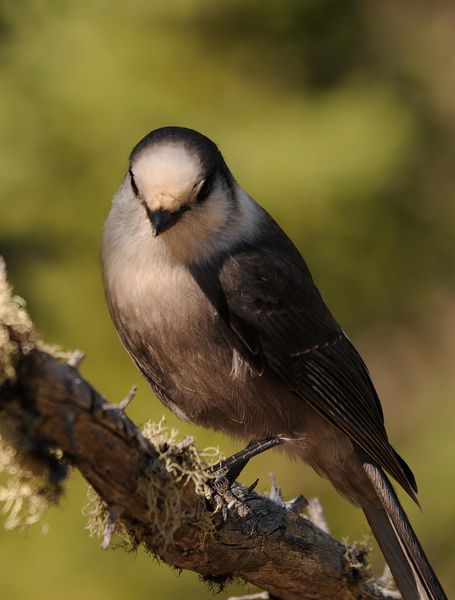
[{"x": 267, "y": 297}]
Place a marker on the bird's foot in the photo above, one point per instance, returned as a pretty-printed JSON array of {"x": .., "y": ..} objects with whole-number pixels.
[{"x": 229, "y": 495}]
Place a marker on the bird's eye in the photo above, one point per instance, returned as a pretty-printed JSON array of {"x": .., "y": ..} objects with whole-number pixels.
[
  {"x": 206, "y": 187},
  {"x": 133, "y": 183}
]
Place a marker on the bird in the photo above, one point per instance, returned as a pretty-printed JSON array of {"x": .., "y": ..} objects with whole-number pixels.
[{"x": 219, "y": 311}]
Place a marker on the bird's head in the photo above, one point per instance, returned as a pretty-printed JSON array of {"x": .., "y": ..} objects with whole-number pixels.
[{"x": 179, "y": 177}]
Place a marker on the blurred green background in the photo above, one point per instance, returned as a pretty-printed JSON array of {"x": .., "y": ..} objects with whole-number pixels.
[{"x": 339, "y": 118}]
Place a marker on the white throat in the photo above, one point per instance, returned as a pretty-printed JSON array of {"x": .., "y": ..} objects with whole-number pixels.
[{"x": 202, "y": 233}]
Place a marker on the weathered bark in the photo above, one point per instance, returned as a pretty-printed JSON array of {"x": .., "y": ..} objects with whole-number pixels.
[{"x": 272, "y": 546}]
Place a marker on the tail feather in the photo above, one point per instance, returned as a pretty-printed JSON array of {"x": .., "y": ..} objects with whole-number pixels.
[
  {"x": 413, "y": 574},
  {"x": 396, "y": 557}
]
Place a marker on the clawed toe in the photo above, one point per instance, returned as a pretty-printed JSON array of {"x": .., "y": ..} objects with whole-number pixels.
[{"x": 230, "y": 496}]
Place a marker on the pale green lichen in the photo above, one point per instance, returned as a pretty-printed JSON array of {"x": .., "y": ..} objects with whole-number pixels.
[
  {"x": 356, "y": 560},
  {"x": 181, "y": 458},
  {"x": 25, "y": 487},
  {"x": 97, "y": 512},
  {"x": 17, "y": 335},
  {"x": 179, "y": 464},
  {"x": 356, "y": 553},
  {"x": 25, "y": 495}
]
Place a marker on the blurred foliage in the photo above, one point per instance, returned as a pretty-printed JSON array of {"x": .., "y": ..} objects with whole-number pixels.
[{"x": 338, "y": 117}]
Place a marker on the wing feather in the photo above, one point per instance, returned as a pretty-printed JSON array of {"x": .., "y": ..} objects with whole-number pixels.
[{"x": 269, "y": 289}]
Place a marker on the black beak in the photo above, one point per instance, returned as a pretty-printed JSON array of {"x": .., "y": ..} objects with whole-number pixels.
[{"x": 161, "y": 220}]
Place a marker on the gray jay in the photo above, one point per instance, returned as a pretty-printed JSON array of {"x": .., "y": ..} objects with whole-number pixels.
[{"x": 219, "y": 311}]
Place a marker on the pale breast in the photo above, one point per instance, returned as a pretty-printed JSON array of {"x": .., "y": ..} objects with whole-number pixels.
[
  {"x": 171, "y": 329},
  {"x": 157, "y": 307},
  {"x": 182, "y": 346}
]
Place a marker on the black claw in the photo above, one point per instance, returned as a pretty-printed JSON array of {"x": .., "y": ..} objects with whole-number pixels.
[
  {"x": 253, "y": 486},
  {"x": 232, "y": 496}
]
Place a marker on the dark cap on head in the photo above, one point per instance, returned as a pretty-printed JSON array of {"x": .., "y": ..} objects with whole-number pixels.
[{"x": 207, "y": 151}]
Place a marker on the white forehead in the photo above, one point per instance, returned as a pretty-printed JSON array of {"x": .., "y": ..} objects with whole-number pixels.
[{"x": 167, "y": 168}]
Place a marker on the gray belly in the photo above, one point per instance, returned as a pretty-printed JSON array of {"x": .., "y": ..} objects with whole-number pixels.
[
  {"x": 183, "y": 348},
  {"x": 198, "y": 375},
  {"x": 185, "y": 351}
]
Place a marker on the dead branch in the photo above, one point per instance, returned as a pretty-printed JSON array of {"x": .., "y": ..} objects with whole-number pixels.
[{"x": 156, "y": 492}]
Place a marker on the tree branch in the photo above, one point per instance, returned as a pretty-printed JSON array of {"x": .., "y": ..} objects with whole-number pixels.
[{"x": 157, "y": 492}]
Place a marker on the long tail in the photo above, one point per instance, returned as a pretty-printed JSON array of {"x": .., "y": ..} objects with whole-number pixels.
[{"x": 413, "y": 574}]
